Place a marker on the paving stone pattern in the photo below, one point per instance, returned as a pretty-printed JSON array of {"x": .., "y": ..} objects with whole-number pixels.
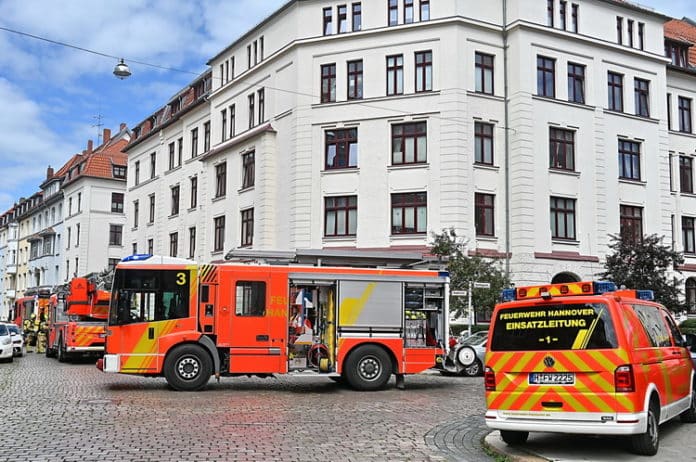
[{"x": 72, "y": 412}]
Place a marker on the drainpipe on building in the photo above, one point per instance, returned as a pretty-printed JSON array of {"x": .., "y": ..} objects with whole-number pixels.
[{"x": 507, "y": 141}]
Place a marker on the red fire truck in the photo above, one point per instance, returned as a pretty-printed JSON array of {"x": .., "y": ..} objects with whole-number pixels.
[
  {"x": 77, "y": 320},
  {"x": 35, "y": 301},
  {"x": 171, "y": 317}
]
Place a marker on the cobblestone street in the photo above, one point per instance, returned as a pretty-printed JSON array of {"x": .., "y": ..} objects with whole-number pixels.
[{"x": 72, "y": 412}]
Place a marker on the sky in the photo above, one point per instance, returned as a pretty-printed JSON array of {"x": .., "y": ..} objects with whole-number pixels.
[{"x": 55, "y": 98}]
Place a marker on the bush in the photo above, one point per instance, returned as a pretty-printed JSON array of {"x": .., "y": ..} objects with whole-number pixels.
[{"x": 688, "y": 326}]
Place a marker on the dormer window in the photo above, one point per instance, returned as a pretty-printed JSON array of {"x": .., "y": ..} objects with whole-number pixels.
[
  {"x": 153, "y": 122},
  {"x": 119, "y": 171},
  {"x": 175, "y": 105},
  {"x": 677, "y": 52}
]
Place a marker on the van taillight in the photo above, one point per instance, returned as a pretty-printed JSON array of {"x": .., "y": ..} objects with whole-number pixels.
[
  {"x": 489, "y": 379},
  {"x": 623, "y": 379}
]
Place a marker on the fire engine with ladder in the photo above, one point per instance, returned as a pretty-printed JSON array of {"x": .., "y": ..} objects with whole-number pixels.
[
  {"x": 77, "y": 320},
  {"x": 187, "y": 322}
]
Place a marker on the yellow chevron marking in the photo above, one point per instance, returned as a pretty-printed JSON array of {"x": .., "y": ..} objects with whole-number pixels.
[{"x": 351, "y": 308}]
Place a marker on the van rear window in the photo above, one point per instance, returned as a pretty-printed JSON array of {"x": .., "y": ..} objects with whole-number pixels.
[{"x": 582, "y": 326}]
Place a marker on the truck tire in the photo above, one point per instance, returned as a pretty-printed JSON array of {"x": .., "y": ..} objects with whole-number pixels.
[
  {"x": 648, "y": 443},
  {"x": 368, "y": 368},
  {"x": 689, "y": 416},
  {"x": 61, "y": 354},
  {"x": 188, "y": 368},
  {"x": 513, "y": 438}
]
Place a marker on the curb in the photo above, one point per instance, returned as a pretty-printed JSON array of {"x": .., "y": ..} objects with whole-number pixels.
[{"x": 494, "y": 443}]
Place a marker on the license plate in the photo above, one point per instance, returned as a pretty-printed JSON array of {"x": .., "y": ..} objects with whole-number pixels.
[{"x": 551, "y": 378}]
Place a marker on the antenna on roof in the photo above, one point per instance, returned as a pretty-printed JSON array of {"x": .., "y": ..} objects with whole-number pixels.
[{"x": 99, "y": 125}]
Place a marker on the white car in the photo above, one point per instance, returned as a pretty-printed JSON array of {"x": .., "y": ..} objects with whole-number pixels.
[
  {"x": 6, "y": 347},
  {"x": 17, "y": 339}
]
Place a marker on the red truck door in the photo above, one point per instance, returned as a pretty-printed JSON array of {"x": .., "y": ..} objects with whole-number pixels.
[{"x": 252, "y": 327}]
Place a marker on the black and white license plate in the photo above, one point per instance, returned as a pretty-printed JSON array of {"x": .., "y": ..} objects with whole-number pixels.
[{"x": 551, "y": 378}]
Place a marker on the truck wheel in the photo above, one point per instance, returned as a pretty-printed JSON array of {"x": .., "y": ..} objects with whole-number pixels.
[
  {"x": 188, "y": 368},
  {"x": 648, "y": 443},
  {"x": 61, "y": 354},
  {"x": 689, "y": 416},
  {"x": 368, "y": 368},
  {"x": 513, "y": 438}
]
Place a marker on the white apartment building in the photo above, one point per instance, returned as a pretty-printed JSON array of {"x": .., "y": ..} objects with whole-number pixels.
[
  {"x": 534, "y": 128},
  {"x": 8, "y": 272}
]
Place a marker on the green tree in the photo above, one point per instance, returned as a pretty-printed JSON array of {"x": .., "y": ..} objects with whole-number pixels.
[
  {"x": 645, "y": 265},
  {"x": 450, "y": 249}
]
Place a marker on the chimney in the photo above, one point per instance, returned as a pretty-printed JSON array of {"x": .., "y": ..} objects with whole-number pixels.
[
  {"x": 123, "y": 126},
  {"x": 89, "y": 146},
  {"x": 49, "y": 173},
  {"x": 107, "y": 135}
]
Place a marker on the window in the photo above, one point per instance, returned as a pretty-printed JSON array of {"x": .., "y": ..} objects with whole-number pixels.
[
  {"x": 219, "y": 234},
  {"x": 341, "y": 148},
  {"x": 562, "y": 13},
  {"x": 111, "y": 264},
  {"x": 669, "y": 111},
  {"x": 357, "y": 17},
  {"x": 194, "y": 192},
  {"x": 408, "y": 11},
  {"x": 137, "y": 172},
  {"x": 223, "y": 123},
  {"x": 79, "y": 202},
  {"x": 615, "y": 91},
  {"x": 249, "y": 49},
  {"x": 115, "y": 234},
  {"x": 206, "y": 137},
  {"x": 355, "y": 79},
  {"x": 562, "y": 218},
  {"x": 250, "y": 299},
  {"x": 136, "y": 213},
  {"x": 117, "y": 202},
  {"x": 232, "y": 120},
  {"x": 248, "y": 170},
  {"x": 395, "y": 75},
  {"x": 562, "y": 149},
  {"x": 641, "y": 35},
  {"x": 677, "y": 53},
  {"x": 549, "y": 13},
  {"x": 70, "y": 206},
  {"x": 221, "y": 179},
  {"x": 409, "y": 213},
  {"x": 247, "y": 235},
  {"x": 684, "y": 114},
  {"x": 77, "y": 234},
  {"x": 251, "y": 111},
  {"x": 173, "y": 244},
  {"x": 328, "y": 83},
  {"x": 153, "y": 165},
  {"x": 424, "y": 71},
  {"x": 175, "y": 200},
  {"x": 151, "y": 246},
  {"x": 629, "y": 160},
  {"x": 688, "y": 235},
  {"x": 256, "y": 52},
  {"x": 192, "y": 242},
  {"x": 629, "y": 32},
  {"x": 546, "y": 76},
  {"x": 409, "y": 143},
  {"x": 232, "y": 67},
  {"x": 574, "y": 17},
  {"x": 631, "y": 223},
  {"x": 576, "y": 83},
  {"x": 642, "y": 97},
  {"x": 119, "y": 171},
  {"x": 342, "y": 19},
  {"x": 194, "y": 142},
  {"x": 180, "y": 154},
  {"x": 484, "y": 213},
  {"x": 484, "y": 73},
  {"x": 686, "y": 174},
  {"x": 327, "y": 21},
  {"x": 393, "y": 12},
  {"x": 69, "y": 237},
  {"x": 171, "y": 156},
  {"x": 340, "y": 216},
  {"x": 152, "y": 208},
  {"x": 619, "y": 30},
  {"x": 261, "y": 94},
  {"x": 483, "y": 143},
  {"x": 135, "y": 248},
  {"x": 425, "y": 10}
]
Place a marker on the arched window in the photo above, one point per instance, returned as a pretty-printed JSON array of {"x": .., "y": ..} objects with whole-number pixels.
[{"x": 565, "y": 277}]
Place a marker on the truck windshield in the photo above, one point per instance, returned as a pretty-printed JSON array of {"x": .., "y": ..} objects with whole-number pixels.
[
  {"x": 149, "y": 295},
  {"x": 554, "y": 327}
]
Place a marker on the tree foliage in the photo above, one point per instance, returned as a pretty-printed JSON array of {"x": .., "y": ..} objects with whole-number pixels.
[
  {"x": 450, "y": 249},
  {"x": 645, "y": 265}
]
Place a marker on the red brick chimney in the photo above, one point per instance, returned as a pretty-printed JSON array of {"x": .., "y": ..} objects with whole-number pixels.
[
  {"x": 107, "y": 134},
  {"x": 90, "y": 146},
  {"x": 49, "y": 172}
]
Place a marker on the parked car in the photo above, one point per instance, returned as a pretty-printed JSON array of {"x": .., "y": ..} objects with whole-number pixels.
[
  {"x": 471, "y": 353},
  {"x": 6, "y": 348},
  {"x": 17, "y": 339}
]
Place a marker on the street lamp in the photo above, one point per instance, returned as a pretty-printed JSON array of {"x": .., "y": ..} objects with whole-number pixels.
[{"x": 121, "y": 70}]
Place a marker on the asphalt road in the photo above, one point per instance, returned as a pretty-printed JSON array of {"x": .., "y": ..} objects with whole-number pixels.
[{"x": 72, "y": 412}]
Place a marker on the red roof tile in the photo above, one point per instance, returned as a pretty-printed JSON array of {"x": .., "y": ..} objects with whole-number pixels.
[{"x": 677, "y": 29}]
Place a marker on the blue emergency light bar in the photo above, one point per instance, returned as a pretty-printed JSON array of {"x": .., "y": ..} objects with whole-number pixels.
[
  {"x": 648, "y": 295},
  {"x": 507, "y": 295},
  {"x": 137, "y": 257},
  {"x": 602, "y": 287}
]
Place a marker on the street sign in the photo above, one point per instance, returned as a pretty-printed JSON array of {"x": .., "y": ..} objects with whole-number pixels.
[
  {"x": 482, "y": 285},
  {"x": 459, "y": 293}
]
